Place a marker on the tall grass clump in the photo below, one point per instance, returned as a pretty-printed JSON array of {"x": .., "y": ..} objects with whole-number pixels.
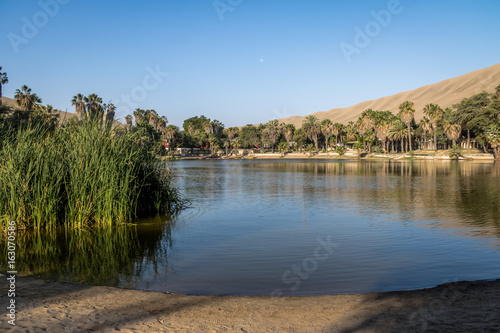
[
  {"x": 31, "y": 178},
  {"x": 80, "y": 175}
]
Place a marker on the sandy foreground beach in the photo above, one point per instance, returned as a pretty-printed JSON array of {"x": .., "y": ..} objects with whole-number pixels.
[{"x": 49, "y": 306}]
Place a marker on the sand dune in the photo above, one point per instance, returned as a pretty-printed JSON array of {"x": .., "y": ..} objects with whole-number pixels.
[{"x": 445, "y": 93}]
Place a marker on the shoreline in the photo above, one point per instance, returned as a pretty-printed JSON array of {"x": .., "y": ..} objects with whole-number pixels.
[
  {"x": 327, "y": 156},
  {"x": 467, "y": 306}
]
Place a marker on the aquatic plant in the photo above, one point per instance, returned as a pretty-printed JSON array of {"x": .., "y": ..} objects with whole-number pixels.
[{"x": 80, "y": 174}]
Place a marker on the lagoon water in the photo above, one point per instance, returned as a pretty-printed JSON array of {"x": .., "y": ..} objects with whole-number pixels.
[{"x": 299, "y": 227}]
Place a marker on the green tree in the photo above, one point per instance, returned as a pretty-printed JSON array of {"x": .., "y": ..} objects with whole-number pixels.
[
  {"x": 493, "y": 138},
  {"x": 249, "y": 136},
  {"x": 170, "y": 132},
  {"x": 337, "y": 130},
  {"x": 407, "y": 113},
  {"x": 312, "y": 128},
  {"x": 451, "y": 125},
  {"x": 217, "y": 127},
  {"x": 426, "y": 126},
  {"x": 300, "y": 138},
  {"x": 369, "y": 138},
  {"x": 3, "y": 80},
  {"x": 468, "y": 109},
  {"x": 227, "y": 144},
  {"x": 273, "y": 131},
  {"x": 193, "y": 124},
  {"x": 109, "y": 116},
  {"x": 288, "y": 131},
  {"x": 327, "y": 131},
  {"x": 25, "y": 99},
  {"x": 139, "y": 116},
  {"x": 95, "y": 110},
  {"x": 128, "y": 121},
  {"x": 435, "y": 114},
  {"x": 398, "y": 132},
  {"x": 79, "y": 104},
  {"x": 213, "y": 140}
]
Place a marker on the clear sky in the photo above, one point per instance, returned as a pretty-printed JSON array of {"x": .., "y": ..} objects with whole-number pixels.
[{"x": 240, "y": 61}]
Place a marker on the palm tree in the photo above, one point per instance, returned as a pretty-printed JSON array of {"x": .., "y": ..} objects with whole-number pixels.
[
  {"x": 451, "y": 125},
  {"x": 227, "y": 143},
  {"x": 288, "y": 131},
  {"x": 273, "y": 130},
  {"x": 153, "y": 119},
  {"x": 94, "y": 107},
  {"x": 327, "y": 130},
  {"x": 235, "y": 144},
  {"x": 351, "y": 131},
  {"x": 26, "y": 99},
  {"x": 212, "y": 140},
  {"x": 162, "y": 124},
  {"x": 426, "y": 126},
  {"x": 217, "y": 127},
  {"x": 208, "y": 128},
  {"x": 382, "y": 131},
  {"x": 109, "y": 117},
  {"x": 170, "y": 132},
  {"x": 232, "y": 132},
  {"x": 147, "y": 116},
  {"x": 337, "y": 130},
  {"x": 3, "y": 80},
  {"x": 366, "y": 123},
  {"x": 493, "y": 138},
  {"x": 312, "y": 128},
  {"x": 128, "y": 120},
  {"x": 407, "y": 113},
  {"x": 397, "y": 132},
  {"x": 138, "y": 115},
  {"x": 435, "y": 113},
  {"x": 79, "y": 104}
]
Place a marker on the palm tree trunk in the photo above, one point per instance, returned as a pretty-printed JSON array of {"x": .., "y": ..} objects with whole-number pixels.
[
  {"x": 435, "y": 141},
  {"x": 402, "y": 145},
  {"x": 468, "y": 140},
  {"x": 409, "y": 138}
]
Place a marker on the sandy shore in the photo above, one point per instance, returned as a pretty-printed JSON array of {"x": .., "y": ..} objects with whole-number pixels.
[{"x": 66, "y": 307}]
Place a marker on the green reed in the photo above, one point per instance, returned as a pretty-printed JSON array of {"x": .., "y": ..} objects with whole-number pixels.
[{"x": 80, "y": 175}]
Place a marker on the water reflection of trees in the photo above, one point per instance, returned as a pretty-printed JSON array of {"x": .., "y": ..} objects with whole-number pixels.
[
  {"x": 453, "y": 194},
  {"x": 104, "y": 256},
  {"x": 445, "y": 194}
]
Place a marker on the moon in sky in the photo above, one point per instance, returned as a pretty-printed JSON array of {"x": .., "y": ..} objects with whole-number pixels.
[{"x": 261, "y": 60}]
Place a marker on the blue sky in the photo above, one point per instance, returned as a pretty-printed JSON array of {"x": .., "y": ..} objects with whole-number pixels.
[{"x": 240, "y": 61}]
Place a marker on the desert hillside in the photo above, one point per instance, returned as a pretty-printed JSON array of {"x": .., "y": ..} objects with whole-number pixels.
[{"x": 445, "y": 93}]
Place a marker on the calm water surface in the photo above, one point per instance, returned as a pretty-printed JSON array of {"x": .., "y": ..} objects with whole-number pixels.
[{"x": 299, "y": 228}]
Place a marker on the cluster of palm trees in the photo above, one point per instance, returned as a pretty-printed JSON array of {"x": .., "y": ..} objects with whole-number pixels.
[
  {"x": 167, "y": 133},
  {"x": 92, "y": 108},
  {"x": 438, "y": 129}
]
